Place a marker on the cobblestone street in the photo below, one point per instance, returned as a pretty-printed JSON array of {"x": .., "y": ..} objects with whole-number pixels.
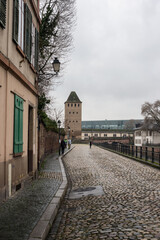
[{"x": 111, "y": 197}]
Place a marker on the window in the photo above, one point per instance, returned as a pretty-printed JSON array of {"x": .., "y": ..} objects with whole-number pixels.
[
  {"x": 69, "y": 112},
  {"x": 86, "y": 134},
  {"x": 68, "y": 104},
  {"x": 21, "y": 25},
  {"x": 138, "y": 133},
  {"x": 33, "y": 45},
  {"x": 77, "y": 112},
  {"x": 15, "y": 20},
  {"x": 114, "y": 135},
  {"x": 28, "y": 32},
  {"x": 75, "y": 104},
  {"x": 105, "y": 135},
  {"x": 78, "y": 104},
  {"x": 73, "y": 112},
  {"x": 18, "y": 125},
  {"x": 71, "y": 105},
  {"x": 36, "y": 48},
  {"x": 3, "y": 13}
]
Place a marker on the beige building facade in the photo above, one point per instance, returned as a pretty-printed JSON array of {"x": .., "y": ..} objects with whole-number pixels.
[
  {"x": 73, "y": 116},
  {"x": 105, "y": 134},
  {"x": 19, "y": 27}
]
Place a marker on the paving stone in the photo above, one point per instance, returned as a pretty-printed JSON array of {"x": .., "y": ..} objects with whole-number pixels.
[
  {"x": 127, "y": 209},
  {"x": 20, "y": 213}
]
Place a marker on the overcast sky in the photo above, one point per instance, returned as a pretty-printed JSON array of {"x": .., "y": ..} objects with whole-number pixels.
[{"x": 115, "y": 65}]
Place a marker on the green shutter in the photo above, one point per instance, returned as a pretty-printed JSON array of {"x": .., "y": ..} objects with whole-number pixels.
[
  {"x": 3, "y": 13},
  {"x": 15, "y": 20},
  {"x": 28, "y": 32},
  {"x": 18, "y": 125},
  {"x": 36, "y": 48}
]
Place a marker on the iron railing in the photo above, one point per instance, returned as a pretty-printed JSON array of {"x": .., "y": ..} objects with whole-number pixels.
[{"x": 145, "y": 153}]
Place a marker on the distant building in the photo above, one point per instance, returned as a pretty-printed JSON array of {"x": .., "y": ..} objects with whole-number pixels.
[
  {"x": 105, "y": 134},
  {"x": 146, "y": 137},
  {"x": 111, "y": 124},
  {"x": 19, "y": 27},
  {"x": 73, "y": 116}
]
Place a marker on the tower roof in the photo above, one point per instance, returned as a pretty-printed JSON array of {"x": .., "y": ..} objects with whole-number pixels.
[{"x": 73, "y": 98}]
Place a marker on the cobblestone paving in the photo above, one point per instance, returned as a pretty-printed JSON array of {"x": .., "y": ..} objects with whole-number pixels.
[
  {"x": 20, "y": 213},
  {"x": 130, "y": 207}
]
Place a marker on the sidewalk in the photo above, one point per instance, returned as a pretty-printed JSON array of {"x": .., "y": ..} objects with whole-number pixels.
[{"x": 30, "y": 212}]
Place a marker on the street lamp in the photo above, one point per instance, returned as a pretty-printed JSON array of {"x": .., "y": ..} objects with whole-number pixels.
[
  {"x": 56, "y": 65},
  {"x": 69, "y": 140},
  {"x": 59, "y": 124}
]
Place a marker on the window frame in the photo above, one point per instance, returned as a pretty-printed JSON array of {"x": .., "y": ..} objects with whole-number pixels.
[{"x": 3, "y": 13}]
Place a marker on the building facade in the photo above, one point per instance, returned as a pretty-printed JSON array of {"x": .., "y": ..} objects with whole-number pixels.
[
  {"x": 19, "y": 26},
  {"x": 111, "y": 124},
  {"x": 73, "y": 116},
  {"x": 105, "y": 134},
  {"x": 146, "y": 137}
]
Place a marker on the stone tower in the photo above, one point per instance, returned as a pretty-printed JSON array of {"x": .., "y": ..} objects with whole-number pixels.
[{"x": 73, "y": 116}]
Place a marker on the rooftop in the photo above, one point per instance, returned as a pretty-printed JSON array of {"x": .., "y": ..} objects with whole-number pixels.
[{"x": 73, "y": 98}]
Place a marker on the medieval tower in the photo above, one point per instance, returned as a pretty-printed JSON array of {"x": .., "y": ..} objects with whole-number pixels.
[{"x": 73, "y": 116}]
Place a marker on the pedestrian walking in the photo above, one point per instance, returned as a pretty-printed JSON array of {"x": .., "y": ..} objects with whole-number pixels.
[
  {"x": 90, "y": 143},
  {"x": 69, "y": 143},
  {"x": 63, "y": 145}
]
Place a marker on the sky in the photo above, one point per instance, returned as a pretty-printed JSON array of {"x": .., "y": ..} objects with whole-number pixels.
[{"x": 115, "y": 65}]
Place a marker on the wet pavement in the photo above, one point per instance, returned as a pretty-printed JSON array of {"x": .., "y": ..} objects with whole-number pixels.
[
  {"x": 109, "y": 197},
  {"x": 20, "y": 213}
]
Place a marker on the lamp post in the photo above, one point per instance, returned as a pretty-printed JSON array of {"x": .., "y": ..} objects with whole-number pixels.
[
  {"x": 69, "y": 140},
  {"x": 56, "y": 65},
  {"x": 59, "y": 124}
]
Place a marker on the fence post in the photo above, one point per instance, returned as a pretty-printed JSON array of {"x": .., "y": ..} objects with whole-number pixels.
[
  {"x": 136, "y": 151},
  {"x": 152, "y": 155},
  {"x": 146, "y": 154},
  {"x": 129, "y": 150},
  {"x": 140, "y": 152},
  {"x": 132, "y": 150}
]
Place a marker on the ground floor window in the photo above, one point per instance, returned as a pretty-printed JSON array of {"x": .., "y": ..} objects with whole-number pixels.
[{"x": 18, "y": 125}]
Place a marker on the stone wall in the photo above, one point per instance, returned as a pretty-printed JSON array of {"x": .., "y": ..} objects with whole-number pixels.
[{"x": 48, "y": 142}]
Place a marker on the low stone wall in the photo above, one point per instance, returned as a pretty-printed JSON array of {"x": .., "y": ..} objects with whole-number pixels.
[{"x": 48, "y": 142}]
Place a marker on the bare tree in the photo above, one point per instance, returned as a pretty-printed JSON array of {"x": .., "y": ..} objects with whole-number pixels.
[
  {"x": 151, "y": 112},
  {"x": 130, "y": 125},
  {"x": 55, "y": 40}
]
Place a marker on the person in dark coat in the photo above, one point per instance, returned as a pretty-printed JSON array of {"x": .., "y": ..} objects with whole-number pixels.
[{"x": 63, "y": 145}]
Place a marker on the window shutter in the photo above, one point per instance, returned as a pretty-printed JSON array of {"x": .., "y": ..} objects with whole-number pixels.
[
  {"x": 3, "y": 13},
  {"x": 18, "y": 125},
  {"x": 15, "y": 20},
  {"x": 28, "y": 32},
  {"x": 36, "y": 48}
]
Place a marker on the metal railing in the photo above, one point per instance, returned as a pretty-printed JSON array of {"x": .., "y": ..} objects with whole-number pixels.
[{"x": 145, "y": 153}]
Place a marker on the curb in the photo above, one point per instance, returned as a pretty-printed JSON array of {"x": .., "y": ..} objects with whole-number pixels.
[{"x": 42, "y": 228}]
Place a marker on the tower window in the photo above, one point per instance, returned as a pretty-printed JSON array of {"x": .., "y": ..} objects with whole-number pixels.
[
  {"x": 78, "y": 104},
  {"x": 75, "y": 104}
]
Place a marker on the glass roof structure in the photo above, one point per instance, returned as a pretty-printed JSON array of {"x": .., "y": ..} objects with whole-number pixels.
[{"x": 111, "y": 124}]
